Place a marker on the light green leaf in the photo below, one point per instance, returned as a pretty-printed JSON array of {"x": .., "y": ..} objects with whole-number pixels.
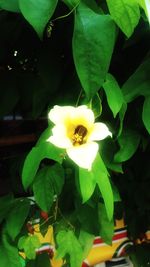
[
  {"x": 126, "y": 14},
  {"x": 145, "y": 4},
  {"x": 146, "y": 113},
  {"x": 68, "y": 244},
  {"x": 128, "y": 142},
  {"x": 86, "y": 241},
  {"x": 48, "y": 182},
  {"x": 93, "y": 42},
  {"x": 29, "y": 244},
  {"x": 102, "y": 178},
  {"x": 87, "y": 183},
  {"x": 33, "y": 159},
  {"x": 16, "y": 217},
  {"x": 121, "y": 117},
  {"x": 38, "y": 13},
  {"x": 106, "y": 226},
  {"x": 9, "y": 254},
  {"x": 138, "y": 84},
  {"x": 10, "y": 5},
  {"x": 113, "y": 93}
]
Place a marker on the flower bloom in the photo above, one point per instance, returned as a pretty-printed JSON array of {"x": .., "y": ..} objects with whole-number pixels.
[{"x": 76, "y": 131}]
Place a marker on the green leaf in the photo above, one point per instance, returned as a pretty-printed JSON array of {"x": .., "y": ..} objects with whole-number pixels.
[
  {"x": 128, "y": 142},
  {"x": 106, "y": 226},
  {"x": 48, "y": 182},
  {"x": 87, "y": 183},
  {"x": 71, "y": 3},
  {"x": 102, "y": 178},
  {"x": 38, "y": 13},
  {"x": 121, "y": 117},
  {"x": 145, "y": 4},
  {"x": 146, "y": 113},
  {"x": 68, "y": 244},
  {"x": 86, "y": 241},
  {"x": 126, "y": 14},
  {"x": 5, "y": 206},
  {"x": 138, "y": 84},
  {"x": 17, "y": 216},
  {"x": 96, "y": 105},
  {"x": 113, "y": 93},
  {"x": 93, "y": 42},
  {"x": 29, "y": 244},
  {"x": 10, "y": 5},
  {"x": 33, "y": 159},
  {"x": 41, "y": 260},
  {"x": 9, "y": 255}
]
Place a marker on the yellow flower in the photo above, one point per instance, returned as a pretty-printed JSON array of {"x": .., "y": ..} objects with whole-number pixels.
[{"x": 76, "y": 131}]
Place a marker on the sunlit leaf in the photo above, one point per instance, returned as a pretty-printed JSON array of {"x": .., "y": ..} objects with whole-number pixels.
[
  {"x": 33, "y": 159},
  {"x": 48, "y": 182},
  {"x": 87, "y": 183},
  {"x": 68, "y": 244},
  {"x": 138, "y": 83},
  {"x": 102, "y": 178},
  {"x": 29, "y": 244},
  {"x": 128, "y": 142},
  {"x": 10, "y": 5},
  {"x": 145, "y": 4},
  {"x": 106, "y": 226},
  {"x": 86, "y": 241},
  {"x": 17, "y": 216},
  {"x": 38, "y": 13},
  {"x": 93, "y": 42},
  {"x": 146, "y": 113},
  {"x": 113, "y": 93},
  {"x": 126, "y": 14}
]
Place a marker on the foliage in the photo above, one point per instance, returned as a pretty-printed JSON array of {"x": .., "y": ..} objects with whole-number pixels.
[{"x": 76, "y": 52}]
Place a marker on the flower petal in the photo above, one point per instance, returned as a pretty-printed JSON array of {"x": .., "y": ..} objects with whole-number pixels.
[
  {"x": 83, "y": 155},
  {"x": 59, "y": 137},
  {"x": 59, "y": 114},
  {"x": 99, "y": 132}
]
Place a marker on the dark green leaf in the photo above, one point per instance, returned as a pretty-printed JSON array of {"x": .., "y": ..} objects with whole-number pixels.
[
  {"x": 38, "y": 13},
  {"x": 6, "y": 203},
  {"x": 126, "y": 14},
  {"x": 146, "y": 113},
  {"x": 10, "y": 5},
  {"x": 102, "y": 178},
  {"x": 106, "y": 226},
  {"x": 17, "y": 216},
  {"x": 92, "y": 51},
  {"x": 71, "y": 3},
  {"x": 33, "y": 159},
  {"x": 29, "y": 244},
  {"x": 138, "y": 84},
  {"x": 87, "y": 183},
  {"x": 48, "y": 182},
  {"x": 9, "y": 255},
  {"x": 68, "y": 244},
  {"x": 113, "y": 93},
  {"x": 121, "y": 117},
  {"x": 96, "y": 105},
  {"x": 128, "y": 142},
  {"x": 41, "y": 260}
]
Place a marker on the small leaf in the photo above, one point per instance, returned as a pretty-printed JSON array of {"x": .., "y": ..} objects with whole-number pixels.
[
  {"x": 29, "y": 244},
  {"x": 92, "y": 51},
  {"x": 138, "y": 83},
  {"x": 33, "y": 159},
  {"x": 102, "y": 178},
  {"x": 128, "y": 142},
  {"x": 87, "y": 183},
  {"x": 48, "y": 182},
  {"x": 146, "y": 113},
  {"x": 106, "y": 226},
  {"x": 68, "y": 244},
  {"x": 10, "y": 5},
  {"x": 113, "y": 93},
  {"x": 126, "y": 14},
  {"x": 9, "y": 255},
  {"x": 16, "y": 217},
  {"x": 38, "y": 13},
  {"x": 86, "y": 241}
]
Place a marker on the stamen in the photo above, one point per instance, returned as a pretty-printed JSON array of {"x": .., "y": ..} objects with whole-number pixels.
[{"x": 79, "y": 135}]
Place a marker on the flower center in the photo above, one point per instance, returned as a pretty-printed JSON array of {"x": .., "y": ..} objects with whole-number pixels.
[{"x": 79, "y": 135}]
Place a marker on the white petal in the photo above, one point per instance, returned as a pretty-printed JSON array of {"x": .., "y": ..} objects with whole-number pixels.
[
  {"x": 59, "y": 137},
  {"x": 59, "y": 114},
  {"x": 83, "y": 155},
  {"x": 99, "y": 132}
]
